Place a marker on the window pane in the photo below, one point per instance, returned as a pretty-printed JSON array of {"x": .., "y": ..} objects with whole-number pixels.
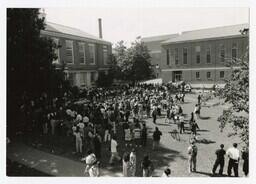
[
  {"x": 185, "y": 56},
  {"x": 91, "y": 53},
  {"x": 81, "y": 53},
  {"x": 176, "y": 56},
  {"x": 167, "y": 57},
  {"x": 69, "y": 51}
]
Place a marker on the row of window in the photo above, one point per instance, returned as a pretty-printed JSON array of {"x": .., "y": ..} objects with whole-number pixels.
[
  {"x": 69, "y": 53},
  {"x": 173, "y": 57},
  {"x": 82, "y": 77},
  {"x": 209, "y": 75}
]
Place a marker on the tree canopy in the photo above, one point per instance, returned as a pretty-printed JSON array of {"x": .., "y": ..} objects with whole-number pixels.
[
  {"x": 236, "y": 92},
  {"x": 133, "y": 63}
]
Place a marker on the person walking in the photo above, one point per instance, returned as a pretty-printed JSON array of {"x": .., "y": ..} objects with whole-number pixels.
[
  {"x": 192, "y": 155},
  {"x": 245, "y": 157},
  {"x": 194, "y": 127},
  {"x": 147, "y": 167},
  {"x": 234, "y": 157},
  {"x": 220, "y": 160},
  {"x": 113, "y": 149},
  {"x": 156, "y": 138},
  {"x": 133, "y": 162},
  {"x": 197, "y": 111}
]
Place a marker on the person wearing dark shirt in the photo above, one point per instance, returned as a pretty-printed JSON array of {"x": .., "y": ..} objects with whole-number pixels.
[
  {"x": 144, "y": 135},
  {"x": 220, "y": 160},
  {"x": 199, "y": 99},
  {"x": 156, "y": 138},
  {"x": 245, "y": 157}
]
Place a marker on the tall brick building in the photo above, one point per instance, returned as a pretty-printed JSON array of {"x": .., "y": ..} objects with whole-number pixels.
[
  {"x": 201, "y": 56},
  {"x": 82, "y": 54}
]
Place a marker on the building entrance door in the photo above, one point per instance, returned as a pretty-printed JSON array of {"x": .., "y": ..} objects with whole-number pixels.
[{"x": 177, "y": 76}]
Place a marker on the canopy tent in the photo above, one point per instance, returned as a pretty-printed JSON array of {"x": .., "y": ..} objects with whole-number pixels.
[{"x": 153, "y": 81}]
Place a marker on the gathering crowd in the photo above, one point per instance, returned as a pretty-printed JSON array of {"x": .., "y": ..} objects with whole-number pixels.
[{"x": 95, "y": 118}]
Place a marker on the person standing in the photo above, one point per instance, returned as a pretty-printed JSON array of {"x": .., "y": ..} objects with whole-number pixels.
[
  {"x": 156, "y": 138},
  {"x": 154, "y": 115},
  {"x": 126, "y": 165},
  {"x": 192, "y": 155},
  {"x": 133, "y": 162},
  {"x": 97, "y": 145},
  {"x": 92, "y": 165},
  {"x": 182, "y": 127},
  {"x": 220, "y": 160},
  {"x": 144, "y": 135},
  {"x": 113, "y": 149},
  {"x": 137, "y": 135},
  {"x": 234, "y": 156},
  {"x": 147, "y": 167},
  {"x": 79, "y": 142},
  {"x": 199, "y": 99},
  {"x": 245, "y": 157},
  {"x": 194, "y": 127}
]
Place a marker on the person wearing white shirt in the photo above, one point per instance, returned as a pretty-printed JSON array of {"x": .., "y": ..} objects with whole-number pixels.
[
  {"x": 113, "y": 149},
  {"x": 234, "y": 156}
]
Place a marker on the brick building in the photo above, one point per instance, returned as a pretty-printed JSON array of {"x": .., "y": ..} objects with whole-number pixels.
[
  {"x": 154, "y": 46},
  {"x": 201, "y": 56},
  {"x": 82, "y": 54}
]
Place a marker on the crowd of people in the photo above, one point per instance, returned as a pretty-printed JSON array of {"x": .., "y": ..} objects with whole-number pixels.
[{"x": 99, "y": 114}]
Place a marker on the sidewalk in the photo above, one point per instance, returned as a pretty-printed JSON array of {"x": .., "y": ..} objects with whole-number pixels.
[{"x": 48, "y": 163}]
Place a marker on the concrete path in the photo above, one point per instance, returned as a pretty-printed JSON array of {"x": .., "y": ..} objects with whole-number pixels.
[{"x": 48, "y": 163}]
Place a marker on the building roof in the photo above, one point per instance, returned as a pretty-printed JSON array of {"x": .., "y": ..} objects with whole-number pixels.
[
  {"x": 158, "y": 38},
  {"x": 57, "y": 28},
  {"x": 209, "y": 33}
]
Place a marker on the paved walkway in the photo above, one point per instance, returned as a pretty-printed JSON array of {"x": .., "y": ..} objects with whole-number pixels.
[{"x": 48, "y": 163}]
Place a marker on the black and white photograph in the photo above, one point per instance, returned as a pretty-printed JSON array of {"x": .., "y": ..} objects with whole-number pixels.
[{"x": 127, "y": 91}]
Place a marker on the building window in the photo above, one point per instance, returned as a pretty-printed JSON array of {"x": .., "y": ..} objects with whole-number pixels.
[
  {"x": 222, "y": 53},
  {"x": 56, "y": 51},
  {"x": 234, "y": 51},
  {"x": 105, "y": 55},
  {"x": 167, "y": 57},
  {"x": 222, "y": 74},
  {"x": 185, "y": 56},
  {"x": 93, "y": 76},
  {"x": 198, "y": 51},
  {"x": 208, "y": 75},
  {"x": 197, "y": 75},
  {"x": 176, "y": 56},
  {"x": 81, "y": 48},
  {"x": 69, "y": 52},
  {"x": 92, "y": 54},
  {"x": 208, "y": 54}
]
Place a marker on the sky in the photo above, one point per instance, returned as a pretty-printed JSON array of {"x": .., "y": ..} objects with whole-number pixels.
[{"x": 128, "y": 23}]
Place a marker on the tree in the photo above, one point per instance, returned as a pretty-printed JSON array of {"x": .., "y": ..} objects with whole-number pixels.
[
  {"x": 29, "y": 59},
  {"x": 133, "y": 62},
  {"x": 236, "y": 92}
]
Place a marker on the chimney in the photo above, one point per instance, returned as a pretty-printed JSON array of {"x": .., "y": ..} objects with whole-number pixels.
[{"x": 100, "y": 28}]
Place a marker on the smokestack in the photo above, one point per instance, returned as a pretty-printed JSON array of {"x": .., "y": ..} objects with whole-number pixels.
[{"x": 100, "y": 28}]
